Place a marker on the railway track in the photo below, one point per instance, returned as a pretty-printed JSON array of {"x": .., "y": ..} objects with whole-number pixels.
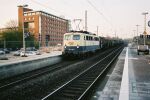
[
  {"x": 18, "y": 79},
  {"x": 9, "y": 82},
  {"x": 76, "y": 88},
  {"x": 15, "y": 80},
  {"x": 31, "y": 76}
]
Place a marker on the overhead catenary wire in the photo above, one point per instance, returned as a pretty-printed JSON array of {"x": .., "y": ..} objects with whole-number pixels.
[
  {"x": 59, "y": 12},
  {"x": 50, "y": 8},
  {"x": 100, "y": 13},
  {"x": 43, "y": 5}
]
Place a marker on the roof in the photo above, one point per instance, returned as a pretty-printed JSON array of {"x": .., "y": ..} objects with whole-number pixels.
[
  {"x": 46, "y": 14},
  {"x": 86, "y": 32}
]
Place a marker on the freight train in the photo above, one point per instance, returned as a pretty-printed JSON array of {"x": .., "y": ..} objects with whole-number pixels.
[{"x": 81, "y": 43}]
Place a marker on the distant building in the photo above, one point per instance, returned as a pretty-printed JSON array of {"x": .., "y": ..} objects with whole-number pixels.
[{"x": 46, "y": 28}]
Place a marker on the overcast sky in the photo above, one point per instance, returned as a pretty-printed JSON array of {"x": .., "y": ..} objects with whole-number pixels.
[{"x": 111, "y": 16}]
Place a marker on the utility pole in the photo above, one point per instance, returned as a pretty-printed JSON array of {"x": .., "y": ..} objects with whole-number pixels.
[
  {"x": 4, "y": 47},
  {"x": 145, "y": 33},
  {"x": 86, "y": 20},
  {"x": 97, "y": 30},
  {"x": 40, "y": 34},
  {"x": 134, "y": 34},
  {"x": 24, "y": 43},
  {"x": 137, "y": 34},
  {"x": 115, "y": 34},
  {"x": 39, "y": 40}
]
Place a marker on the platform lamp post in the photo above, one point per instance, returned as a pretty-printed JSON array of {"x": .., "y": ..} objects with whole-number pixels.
[
  {"x": 134, "y": 35},
  {"x": 145, "y": 33},
  {"x": 137, "y": 34},
  {"x": 4, "y": 47},
  {"x": 24, "y": 43}
]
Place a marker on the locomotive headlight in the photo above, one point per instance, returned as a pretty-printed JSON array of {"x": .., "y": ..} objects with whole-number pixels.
[
  {"x": 65, "y": 46},
  {"x": 77, "y": 46}
]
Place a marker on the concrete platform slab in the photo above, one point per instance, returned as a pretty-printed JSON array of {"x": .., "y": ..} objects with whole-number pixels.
[
  {"x": 139, "y": 76},
  {"x": 130, "y": 79},
  {"x": 18, "y": 65},
  {"x": 112, "y": 88},
  {"x": 17, "y": 59}
]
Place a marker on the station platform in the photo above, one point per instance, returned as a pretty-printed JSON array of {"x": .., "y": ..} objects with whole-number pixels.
[
  {"x": 16, "y": 65},
  {"x": 129, "y": 80},
  {"x": 17, "y": 59}
]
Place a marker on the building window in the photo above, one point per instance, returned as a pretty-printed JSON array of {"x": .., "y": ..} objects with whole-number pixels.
[
  {"x": 47, "y": 38},
  {"x": 33, "y": 13},
  {"x": 25, "y": 14},
  {"x": 29, "y": 14},
  {"x": 37, "y": 13},
  {"x": 31, "y": 25}
]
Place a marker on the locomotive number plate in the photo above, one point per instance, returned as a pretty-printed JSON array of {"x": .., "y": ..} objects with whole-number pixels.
[{"x": 70, "y": 43}]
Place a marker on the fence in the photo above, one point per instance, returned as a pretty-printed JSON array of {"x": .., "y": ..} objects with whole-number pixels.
[{"x": 17, "y": 45}]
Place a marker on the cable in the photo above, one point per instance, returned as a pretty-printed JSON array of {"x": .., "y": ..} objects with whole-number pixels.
[
  {"x": 99, "y": 12},
  {"x": 43, "y": 5}
]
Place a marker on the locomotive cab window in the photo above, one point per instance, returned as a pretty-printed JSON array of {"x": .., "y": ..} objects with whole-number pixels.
[
  {"x": 87, "y": 38},
  {"x": 76, "y": 37},
  {"x": 67, "y": 37},
  {"x": 96, "y": 38}
]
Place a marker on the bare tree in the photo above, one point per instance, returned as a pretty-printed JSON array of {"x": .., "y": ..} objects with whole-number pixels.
[{"x": 12, "y": 25}]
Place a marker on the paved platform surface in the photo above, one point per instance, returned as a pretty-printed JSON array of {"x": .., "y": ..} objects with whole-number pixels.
[
  {"x": 15, "y": 59},
  {"x": 112, "y": 88},
  {"x": 130, "y": 79},
  {"x": 139, "y": 76}
]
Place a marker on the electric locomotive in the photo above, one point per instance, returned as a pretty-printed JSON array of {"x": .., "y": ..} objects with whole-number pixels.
[{"x": 78, "y": 43}]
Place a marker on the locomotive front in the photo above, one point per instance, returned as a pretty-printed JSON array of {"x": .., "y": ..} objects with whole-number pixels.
[{"x": 72, "y": 44}]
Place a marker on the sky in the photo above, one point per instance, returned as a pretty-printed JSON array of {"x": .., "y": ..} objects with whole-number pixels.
[{"x": 113, "y": 17}]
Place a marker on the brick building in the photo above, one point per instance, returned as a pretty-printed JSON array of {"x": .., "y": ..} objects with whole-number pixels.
[{"x": 46, "y": 28}]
